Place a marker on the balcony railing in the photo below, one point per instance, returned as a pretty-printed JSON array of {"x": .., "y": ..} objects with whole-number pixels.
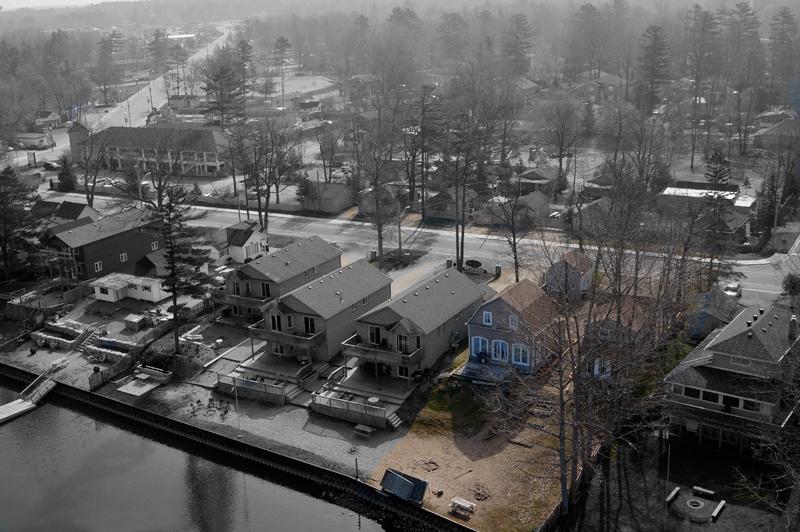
[
  {"x": 378, "y": 412},
  {"x": 295, "y": 338},
  {"x": 356, "y": 347},
  {"x": 247, "y": 301},
  {"x": 764, "y": 417}
]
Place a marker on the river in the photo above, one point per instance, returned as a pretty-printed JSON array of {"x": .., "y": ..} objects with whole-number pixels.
[{"x": 63, "y": 470}]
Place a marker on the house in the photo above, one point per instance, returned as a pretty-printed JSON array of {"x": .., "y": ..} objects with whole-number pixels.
[
  {"x": 395, "y": 344},
  {"x": 329, "y": 198},
  {"x": 117, "y": 286},
  {"x": 186, "y": 151},
  {"x": 778, "y": 137},
  {"x": 70, "y": 211},
  {"x": 530, "y": 207},
  {"x": 245, "y": 240},
  {"x": 710, "y": 311},
  {"x": 542, "y": 179},
  {"x": 770, "y": 118},
  {"x": 86, "y": 248},
  {"x": 614, "y": 329},
  {"x": 310, "y": 322},
  {"x": 691, "y": 196},
  {"x": 443, "y": 206},
  {"x": 181, "y": 103},
  {"x": 510, "y": 332},
  {"x": 570, "y": 277},
  {"x": 732, "y": 226},
  {"x": 728, "y": 392},
  {"x": 409, "y": 332},
  {"x": 45, "y": 119},
  {"x": 597, "y": 86},
  {"x": 251, "y": 286}
]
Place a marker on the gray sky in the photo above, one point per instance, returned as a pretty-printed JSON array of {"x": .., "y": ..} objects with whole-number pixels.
[{"x": 16, "y": 4}]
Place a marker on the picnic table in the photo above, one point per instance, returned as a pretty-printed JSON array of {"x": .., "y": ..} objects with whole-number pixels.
[{"x": 363, "y": 431}]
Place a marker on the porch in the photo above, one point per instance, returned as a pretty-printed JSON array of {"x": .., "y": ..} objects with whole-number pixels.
[
  {"x": 356, "y": 347},
  {"x": 305, "y": 344}
]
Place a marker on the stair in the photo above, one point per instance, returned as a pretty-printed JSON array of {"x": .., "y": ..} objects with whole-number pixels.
[{"x": 394, "y": 421}]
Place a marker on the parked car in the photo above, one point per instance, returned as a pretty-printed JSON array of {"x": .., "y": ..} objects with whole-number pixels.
[
  {"x": 555, "y": 215},
  {"x": 733, "y": 289},
  {"x": 54, "y": 167}
]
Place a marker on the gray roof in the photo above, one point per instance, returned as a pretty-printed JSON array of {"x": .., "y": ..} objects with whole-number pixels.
[
  {"x": 283, "y": 264},
  {"x": 85, "y": 231},
  {"x": 767, "y": 338},
  {"x": 336, "y": 291},
  {"x": 429, "y": 303},
  {"x": 70, "y": 210}
]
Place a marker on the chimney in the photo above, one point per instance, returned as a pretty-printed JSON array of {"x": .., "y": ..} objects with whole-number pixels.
[{"x": 793, "y": 328}]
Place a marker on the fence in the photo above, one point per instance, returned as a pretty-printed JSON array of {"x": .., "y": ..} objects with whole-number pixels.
[
  {"x": 375, "y": 412},
  {"x": 271, "y": 393},
  {"x": 98, "y": 378}
]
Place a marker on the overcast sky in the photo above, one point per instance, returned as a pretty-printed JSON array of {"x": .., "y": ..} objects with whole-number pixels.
[{"x": 16, "y": 4}]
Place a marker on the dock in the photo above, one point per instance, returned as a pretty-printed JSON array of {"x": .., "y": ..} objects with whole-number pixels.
[{"x": 30, "y": 397}]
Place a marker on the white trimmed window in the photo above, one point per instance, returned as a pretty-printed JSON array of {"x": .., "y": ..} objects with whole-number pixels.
[
  {"x": 98, "y": 266},
  {"x": 123, "y": 257},
  {"x": 480, "y": 345},
  {"x": 487, "y": 318},
  {"x": 499, "y": 350},
  {"x": 513, "y": 321},
  {"x": 520, "y": 355},
  {"x": 154, "y": 245}
]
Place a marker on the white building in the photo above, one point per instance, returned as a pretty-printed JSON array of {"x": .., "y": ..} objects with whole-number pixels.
[{"x": 118, "y": 286}]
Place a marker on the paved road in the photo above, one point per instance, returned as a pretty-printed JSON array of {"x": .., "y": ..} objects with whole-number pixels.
[
  {"x": 135, "y": 109},
  {"x": 761, "y": 281}
]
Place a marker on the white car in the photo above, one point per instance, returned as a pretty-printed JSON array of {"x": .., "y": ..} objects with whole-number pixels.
[
  {"x": 555, "y": 215},
  {"x": 733, "y": 289}
]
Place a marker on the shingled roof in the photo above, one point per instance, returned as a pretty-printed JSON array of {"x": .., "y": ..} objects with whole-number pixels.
[
  {"x": 70, "y": 210},
  {"x": 336, "y": 291},
  {"x": 283, "y": 264},
  {"x": 85, "y": 230},
  {"x": 427, "y": 304},
  {"x": 757, "y": 333}
]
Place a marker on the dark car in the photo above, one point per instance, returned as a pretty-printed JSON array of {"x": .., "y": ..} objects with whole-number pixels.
[{"x": 55, "y": 167}]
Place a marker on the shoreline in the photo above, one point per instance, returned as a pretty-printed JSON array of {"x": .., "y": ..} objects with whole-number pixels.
[{"x": 335, "y": 486}]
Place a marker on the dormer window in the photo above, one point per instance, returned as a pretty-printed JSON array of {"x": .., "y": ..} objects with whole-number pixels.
[
  {"x": 513, "y": 321},
  {"x": 487, "y": 319}
]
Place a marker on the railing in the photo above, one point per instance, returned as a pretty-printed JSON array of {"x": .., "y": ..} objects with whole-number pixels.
[
  {"x": 297, "y": 339},
  {"x": 351, "y": 406},
  {"x": 224, "y": 297},
  {"x": 235, "y": 383},
  {"x": 354, "y": 347},
  {"x": 722, "y": 409}
]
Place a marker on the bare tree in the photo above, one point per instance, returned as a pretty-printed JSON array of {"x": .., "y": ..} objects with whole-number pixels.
[
  {"x": 329, "y": 137},
  {"x": 563, "y": 121}
]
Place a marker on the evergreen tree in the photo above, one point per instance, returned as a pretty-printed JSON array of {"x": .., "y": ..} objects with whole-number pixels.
[
  {"x": 66, "y": 177},
  {"x": 783, "y": 48},
  {"x": 653, "y": 68},
  {"x": 16, "y": 224},
  {"x": 181, "y": 256},
  {"x": 158, "y": 48},
  {"x": 517, "y": 42},
  {"x": 743, "y": 57},
  {"x": 244, "y": 54},
  {"x": 223, "y": 85},
  {"x": 279, "y": 51}
]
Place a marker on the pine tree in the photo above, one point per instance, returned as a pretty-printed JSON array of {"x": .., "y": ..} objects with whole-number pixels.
[
  {"x": 783, "y": 48},
  {"x": 158, "y": 50},
  {"x": 654, "y": 57},
  {"x": 244, "y": 54},
  {"x": 282, "y": 46},
  {"x": 181, "y": 255},
  {"x": 517, "y": 41},
  {"x": 16, "y": 224},
  {"x": 743, "y": 54},
  {"x": 223, "y": 85}
]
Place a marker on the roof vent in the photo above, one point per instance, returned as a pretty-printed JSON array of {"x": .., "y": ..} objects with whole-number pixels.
[
  {"x": 338, "y": 293},
  {"x": 452, "y": 292},
  {"x": 763, "y": 330},
  {"x": 321, "y": 281},
  {"x": 447, "y": 275},
  {"x": 274, "y": 254},
  {"x": 749, "y": 323},
  {"x": 349, "y": 267},
  {"x": 770, "y": 324},
  {"x": 331, "y": 276},
  {"x": 750, "y": 335},
  {"x": 416, "y": 294},
  {"x": 776, "y": 317},
  {"x": 404, "y": 301},
  {"x": 340, "y": 271},
  {"x": 437, "y": 280},
  {"x": 287, "y": 262},
  {"x": 761, "y": 311},
  {"x": 299, "y": 244},
  {"x": 755, "y": 317}
]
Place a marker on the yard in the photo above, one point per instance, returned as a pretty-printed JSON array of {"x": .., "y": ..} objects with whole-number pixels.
[{"x": 454, "y": 445}]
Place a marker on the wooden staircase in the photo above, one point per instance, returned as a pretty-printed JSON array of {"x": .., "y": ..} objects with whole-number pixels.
[{"x": 394, "y": 421}]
